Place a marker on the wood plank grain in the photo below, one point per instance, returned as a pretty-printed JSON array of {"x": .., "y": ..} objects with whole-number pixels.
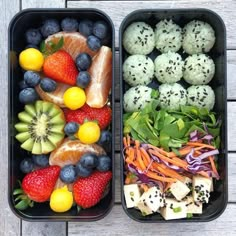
[
  {"x": 231, "y": 75},
  {"x": 231, "y": 178},
  {"x": 43, "y": 228},
  {"x": 43, "y": 3},
  {"x": 9, "y": 223},
  {"x": 118, "y": 223},
  {"x": 231, "y": 126},
  {"x": 118, "y": 11}
]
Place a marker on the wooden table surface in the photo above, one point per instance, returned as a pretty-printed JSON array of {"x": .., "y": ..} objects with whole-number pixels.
[{"x": 117, "y": 223}]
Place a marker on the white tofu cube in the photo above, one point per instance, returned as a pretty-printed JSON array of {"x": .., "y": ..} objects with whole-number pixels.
[
  {"x": 174, "y": 209},
  {"x": 201, "y": 189},
  {"x": 179, "y": 190},
  {"x": 142, "y": 205},
  {"x": 151, "y": 201},
  {"x": 132, "y": 195},
  {"x": 188, "y": 182},
  {"x": 193, "y": 207},
  {"x": 154, "y": 199}
]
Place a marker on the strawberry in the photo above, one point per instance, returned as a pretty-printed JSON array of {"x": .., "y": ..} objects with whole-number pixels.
[
  {"x": 101, "y": 115},
  {"x": 60, "y": 66},
  {"x": 88, "y": 191},
  {"x": 38, "y": 185}
]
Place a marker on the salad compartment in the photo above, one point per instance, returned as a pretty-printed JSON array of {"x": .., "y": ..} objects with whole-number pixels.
[
  {"x": 24, "y": 20},
  {"x": 218, "y": 198}
]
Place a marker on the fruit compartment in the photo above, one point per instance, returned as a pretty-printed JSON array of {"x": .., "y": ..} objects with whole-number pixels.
[
  {"x": 33, "y": 18},
  {"x": 219, "y": 197}
]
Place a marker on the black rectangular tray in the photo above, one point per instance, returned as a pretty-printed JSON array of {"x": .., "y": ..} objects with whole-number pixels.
[
  {"x": 32, "y": 18},
  {"x": 219, "y": 197}
]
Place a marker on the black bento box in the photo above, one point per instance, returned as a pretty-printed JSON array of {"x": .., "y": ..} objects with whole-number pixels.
[
  {"x": 32, "y": 18},
  {"x": 219, "y": 197}
]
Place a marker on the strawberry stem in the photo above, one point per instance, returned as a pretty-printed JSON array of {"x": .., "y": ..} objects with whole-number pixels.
[{"x": 22, "y": 201}]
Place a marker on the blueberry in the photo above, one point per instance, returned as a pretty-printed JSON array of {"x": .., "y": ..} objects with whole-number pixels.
[
  {"x": 23, "y": 85},
  {"x": 26, "y": 165},
  {"x": 82, "y": 171},
  {"x": 31, "y": 78},
  {"x": 33, "y": 36},
  {"x": 28, "y": 95},
  {"x": 83, "y": 79},
  {"x": 68, "y": 174},
  {"x": 41, "y": 160},
  {"x": 89, "y": 160},
  {"x": 86, "y": 27},
  {"x": 104, "y": 163},
  {"x": 48, "y": 85},
  {"x": 94, "y": 43},
  {"x": 105, "y": 140},
  {"x": 69, "y": 24},
  {"x": 50, "y": 26},
  {"x": 83, "y": 61},
  {"x": 71, "y": 128},
  {"x": 31, "y": 46},
  {"x": 100, "y": 29}
]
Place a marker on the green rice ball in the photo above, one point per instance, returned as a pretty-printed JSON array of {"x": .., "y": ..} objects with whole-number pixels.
[{"x": 139, "y": 38}]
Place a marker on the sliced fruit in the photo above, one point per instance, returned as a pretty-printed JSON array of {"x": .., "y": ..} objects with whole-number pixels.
[
  {"x": 41, "y": 127},
  {"x": 74, "y": 43},
  {"x": 56, "y": 96},
  {"x": 70, "y": 152},
  {"x": 101, "y": 78}
]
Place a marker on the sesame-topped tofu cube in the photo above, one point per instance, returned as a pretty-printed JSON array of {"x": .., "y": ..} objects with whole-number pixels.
[
  {"x": 151, "y": 201},
  {"x": 188, "y": 182},
  {"x": 179, "y": 190},
  {"x": 174, "y": 209},
  {"x": 142, "y": 205},
  {"x": 201, "y": 189},
  {"x": 154, "y": 198},
  {"x": 193, "y": 207},
  {"x": 132, "y": 195}
]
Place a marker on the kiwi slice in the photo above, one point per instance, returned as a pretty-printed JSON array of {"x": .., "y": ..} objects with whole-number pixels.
[{"x": 41, "y": 127}]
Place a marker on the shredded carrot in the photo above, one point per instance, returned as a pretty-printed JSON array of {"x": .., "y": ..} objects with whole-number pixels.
[
  {"x": 144, "y": 187},
  {"x": 153, "y": 175},
  {"x": 213, "y": 166},
  {"x": 127, "y": 179},
  {"x": 140, "y": 160},
  {"x": 167, "y": 187},
  {"x": 167, "y": 171},
  {"x": 125, "y": 142},
  {"x": 128, "y": 140},
  {"x": 146, "y": 158},
  {"x": 197, "y": 144},
  {"x": 176, "y": 161}
]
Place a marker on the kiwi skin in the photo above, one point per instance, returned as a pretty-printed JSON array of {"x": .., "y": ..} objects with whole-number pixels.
[{"x": 41, "y": 127}]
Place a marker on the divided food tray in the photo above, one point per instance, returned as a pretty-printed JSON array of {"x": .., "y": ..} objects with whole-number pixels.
[
  {"x": 218, "y": 199},
  {"x": 32, "y": 18}
]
